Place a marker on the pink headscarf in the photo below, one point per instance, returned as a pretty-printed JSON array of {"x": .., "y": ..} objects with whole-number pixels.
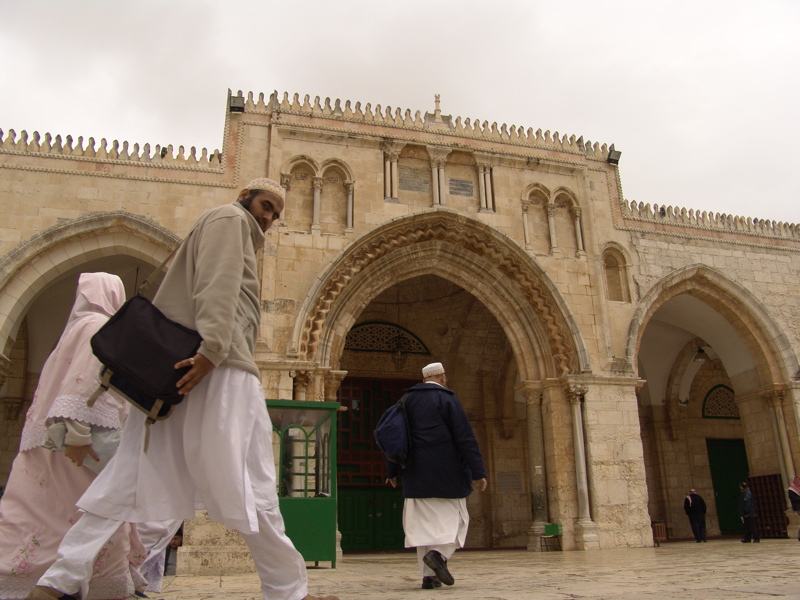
[
  {"x": 70, "y": 373},
  {"x": 795, "y": 485}
]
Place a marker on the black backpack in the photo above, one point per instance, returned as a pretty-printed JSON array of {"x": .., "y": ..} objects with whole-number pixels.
[{"x": 392, "y": 434}]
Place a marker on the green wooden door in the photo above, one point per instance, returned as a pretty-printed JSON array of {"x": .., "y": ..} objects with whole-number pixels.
[
  {"x": 370, "y": 511},
  {"x": 728, "y": 462},
  {"x": 371, "y": 519}
]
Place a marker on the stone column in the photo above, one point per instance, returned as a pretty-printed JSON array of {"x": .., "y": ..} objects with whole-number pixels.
[
  {"x": 387, "y": 175},
  {"x": 551, "y": 224},
  {"x": 395, "y": 176},
  {"x": 585, "y": 529},
  {"x": 435, "y": 183},
  {"x": 775, "y": 402},
  {"x": 391, "y": 170},
  {"x": 484, "y": 163},
  {"x": 526, "y": 227},
  {"x": 349, "y": 186},
  {"x": 487, "y": 176},
  {"x": 438, "y": 156},
  {"x": 302, "y": 379},
  {"x": 575, "y": 211},
  {"x": 315, "y": 226},
  {"x": 536, "y": 463}
]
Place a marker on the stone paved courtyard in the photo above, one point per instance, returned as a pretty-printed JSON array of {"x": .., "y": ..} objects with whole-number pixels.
[{"x": 719, "y": 569}]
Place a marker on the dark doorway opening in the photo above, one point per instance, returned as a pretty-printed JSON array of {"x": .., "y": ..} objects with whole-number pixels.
[{"x": 370, "y": 511}]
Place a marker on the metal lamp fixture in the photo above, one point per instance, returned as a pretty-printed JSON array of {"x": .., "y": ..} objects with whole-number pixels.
[{"x": 700, "y": 356}]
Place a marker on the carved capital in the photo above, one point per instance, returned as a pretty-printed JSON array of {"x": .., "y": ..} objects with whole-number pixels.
[
  {"x": 576, "y": 392},
  {"x": 349, "y": 186},
  {"x": 438, "y": 155},
  {"x": 317, "y": 183},
  {"x": 286, "y": 179},
  {"x": 483, "y": 160},
  {"x": 392, "y": 149},
  {"x": 550, "y": 208},
  {"x": 333, "y": 379},
  {"x": 774, "y": 399},
  {"x": 575, "y": 211}
]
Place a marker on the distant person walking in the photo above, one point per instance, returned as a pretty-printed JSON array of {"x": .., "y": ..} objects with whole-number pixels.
[
  {"x": 794, "y": 497},
  {"x": 695, "y": 508},
  {"x": 445, "y": 465},
  {"x": 747, "y": 511}
]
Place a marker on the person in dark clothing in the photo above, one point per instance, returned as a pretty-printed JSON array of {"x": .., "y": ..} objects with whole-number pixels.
[
  {"x": 794, "y": 497},
  {"x": 445, "y": 465},
  {"x": 695, "y": 508},
  {"x": 747, "y": 511}
]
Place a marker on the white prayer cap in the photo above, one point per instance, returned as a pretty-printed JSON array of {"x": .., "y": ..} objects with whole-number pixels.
[
  {"x": 432, "y": 369},
  {"x": 262, "y": 183}
]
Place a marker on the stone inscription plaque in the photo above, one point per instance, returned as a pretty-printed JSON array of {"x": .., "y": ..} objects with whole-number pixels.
[
  {"x": 414, "y": 180},
  {"x": 461, "y": 187}
]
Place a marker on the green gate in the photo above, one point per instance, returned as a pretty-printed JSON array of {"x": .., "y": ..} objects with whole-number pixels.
[
  {"x": 370, "y": 511},
  {"x": 728, "y": 462}
]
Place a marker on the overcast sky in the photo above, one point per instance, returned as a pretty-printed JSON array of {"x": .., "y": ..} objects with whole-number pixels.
[{"x": 701, "y": 97}]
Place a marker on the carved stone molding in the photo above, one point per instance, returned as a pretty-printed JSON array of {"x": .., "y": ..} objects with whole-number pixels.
[{"x": 413, "y": 232}]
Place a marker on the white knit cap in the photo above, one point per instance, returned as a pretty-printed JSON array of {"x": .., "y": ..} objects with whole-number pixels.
[
  {"x": 432, "y": 369},
  {"x": 262, "y": 183}
]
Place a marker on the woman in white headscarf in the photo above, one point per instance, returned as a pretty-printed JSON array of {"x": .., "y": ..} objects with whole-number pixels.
[{"x": 64, "y": 444}]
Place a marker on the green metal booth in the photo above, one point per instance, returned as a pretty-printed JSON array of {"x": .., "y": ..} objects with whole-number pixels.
[{"x": 305, "y": 445}]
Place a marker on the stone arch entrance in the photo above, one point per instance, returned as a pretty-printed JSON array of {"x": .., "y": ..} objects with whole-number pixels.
[
  {"x": 718, "y": 376},
  {"x": 37, "y": 289},
  {"x": 425, "y": 262}
]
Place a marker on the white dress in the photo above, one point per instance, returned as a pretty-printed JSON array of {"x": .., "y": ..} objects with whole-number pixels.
[{"x": 213, "y": 452}]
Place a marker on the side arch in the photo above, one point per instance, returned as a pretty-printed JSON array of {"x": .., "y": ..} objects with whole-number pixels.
[
  {"x": 774, "y": 358},
  {"x": 27, "y": 270},
  {"x": 335, "y": 162},
  {"x": 301, "y": 159},
  {"x": 463, "y": 250}
]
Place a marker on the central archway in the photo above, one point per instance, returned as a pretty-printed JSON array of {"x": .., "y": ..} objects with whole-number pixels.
[{"x": 544, "y": 338}]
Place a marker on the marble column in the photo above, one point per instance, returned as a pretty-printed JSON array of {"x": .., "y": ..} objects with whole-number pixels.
[
  {"x": 315, "y": 216},
  {"x": 349, "y": 186},
  {"x": 526, "y": 227},
  {"x": 575, "y": 211},
  {"x": 536, "y": 464},
  {"x": 551, "y": 224},
  {"x": 585, "y": 529},
  {"x": 775, "y": 403},
  {"x": 438, "y": 156}
]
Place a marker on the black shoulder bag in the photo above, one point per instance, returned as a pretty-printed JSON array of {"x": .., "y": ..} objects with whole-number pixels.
[{"x": 139, "y": 347}]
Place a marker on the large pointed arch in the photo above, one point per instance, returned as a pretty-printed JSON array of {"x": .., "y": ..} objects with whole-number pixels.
[
  {"x": 465, "y": 251},
  {"x": 773, "y": 356},
  {"x": 27, "y": 270}
]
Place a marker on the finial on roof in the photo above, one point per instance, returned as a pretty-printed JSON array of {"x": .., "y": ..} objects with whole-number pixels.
[{"x": 437, "y": 110}]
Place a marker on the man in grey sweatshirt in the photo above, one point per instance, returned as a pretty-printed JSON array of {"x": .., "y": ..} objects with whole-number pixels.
[{"x": 215, "y": 450}]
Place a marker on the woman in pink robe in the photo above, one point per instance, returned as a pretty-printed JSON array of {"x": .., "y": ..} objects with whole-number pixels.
[{"x": 38, "y": 506}]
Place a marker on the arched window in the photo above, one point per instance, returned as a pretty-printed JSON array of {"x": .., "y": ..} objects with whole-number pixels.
[
  {"x": 720, "y": 403},
  {"x": 616, "y": 273}
]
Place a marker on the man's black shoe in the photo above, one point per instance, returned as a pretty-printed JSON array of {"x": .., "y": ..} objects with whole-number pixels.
[
  {"x": 430, "y": 582},
  {"x": 438, "y": 564}
]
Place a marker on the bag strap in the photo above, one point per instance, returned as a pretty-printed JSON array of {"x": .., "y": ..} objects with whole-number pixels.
[
  {"x": 146, "y": 283},
  {"x": 402, "y": 405}
]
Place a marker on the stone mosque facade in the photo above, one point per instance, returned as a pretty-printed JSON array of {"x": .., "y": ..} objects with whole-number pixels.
[{"x": 610, "y": 354}]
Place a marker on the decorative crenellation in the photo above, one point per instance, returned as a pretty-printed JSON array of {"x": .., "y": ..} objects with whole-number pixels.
[
  {"x": 72, "y": 148},
  {"x": 682, "y": 217},
  {"x": 404, "y": 119}
]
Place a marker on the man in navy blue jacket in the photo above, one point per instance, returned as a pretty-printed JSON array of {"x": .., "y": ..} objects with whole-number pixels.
[{"x": 445, "y": 465}]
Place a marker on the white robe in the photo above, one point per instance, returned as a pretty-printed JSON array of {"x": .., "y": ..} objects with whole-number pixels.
[
  {"x": 213, "y": 452},
  {"x": 435, "y": 521}
]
